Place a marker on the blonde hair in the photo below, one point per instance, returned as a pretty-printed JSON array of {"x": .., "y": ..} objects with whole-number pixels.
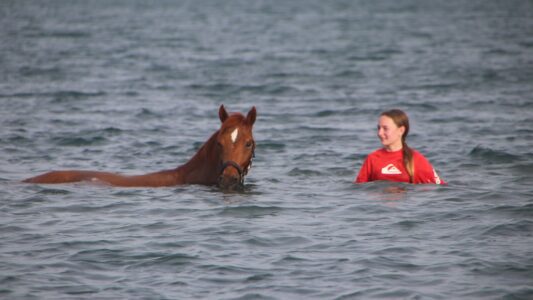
[{"x": 400, "y": 119}]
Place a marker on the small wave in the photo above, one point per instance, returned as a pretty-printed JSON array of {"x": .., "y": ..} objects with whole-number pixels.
[
  {"x": 59, "y": 96},
  {"x": 380, "y": 55},
  {"x": 6, "y": 229},
  {"x": 489, "y": 76},
  {"x": 87, "y": 137},
  {"x": 54, "y": 191},
  {"x": 493, "y": 156},
  {"x": 111, "y": 130},
  {"x": 350, "y": 74},
  {"x": 60, "y": 34},
  {"x": 36, "y": 71},
  {"x": 253, "y": 89},
  {"x": 523, "y": 168},
  {"x": 62, "y": 96},
  {"x": 510, "y": 229},
  {"x": 259, "y": 277},
  {"x": 326, "y": 113},
  {"x": 75, "y": 245},
  {"x": 271, "y": 145},
  {"x": 252, "y": 211},
  {"x": 397, "y": 293},
  {"x": 525, "y": 211},
  {"x": 155, "y": 259},
  {"x": 432, "y": 86},
  {"x": 146, "y": 113},
  {"x": 526, "y": 44},
  {"x": 396, "y": 263},
  {"x": 79, "y": 141},
  {"x": 449, "y": 120},
  {"x": 408, "y": 224},
  {"x": 100, "y": 256},
  {"x": 279, "y": 241},
  {"x": 397, "y": 250},
  {"x": 304, "y": 172},
  {"x": 290, "y": 259},
  {"x": 16, "y": 139},
  {"x": 499, "y": 51},
  {"x": 86, "y": 208}
]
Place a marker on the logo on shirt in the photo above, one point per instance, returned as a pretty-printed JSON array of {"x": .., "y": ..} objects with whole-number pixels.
[
  {"x": 390, "y": 169},
  {"x": 437, "y": 178}
]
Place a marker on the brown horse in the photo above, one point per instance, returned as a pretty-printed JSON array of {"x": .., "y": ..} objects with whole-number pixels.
[{"x": 224, "y": 160}]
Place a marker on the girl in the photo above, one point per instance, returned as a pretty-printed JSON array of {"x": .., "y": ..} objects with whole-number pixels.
[{"x": 396, "y": 161}]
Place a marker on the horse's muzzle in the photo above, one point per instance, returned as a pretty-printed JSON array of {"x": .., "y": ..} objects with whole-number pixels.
[{"x": 231, "y": 181}]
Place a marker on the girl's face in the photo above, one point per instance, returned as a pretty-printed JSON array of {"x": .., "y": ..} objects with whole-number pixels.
[{"x": 390, "y": 134}]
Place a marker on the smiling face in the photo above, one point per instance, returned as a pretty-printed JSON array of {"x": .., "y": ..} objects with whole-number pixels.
[
  {"x": 236, "y": 145},
  {"x": 390, "y": 134}
]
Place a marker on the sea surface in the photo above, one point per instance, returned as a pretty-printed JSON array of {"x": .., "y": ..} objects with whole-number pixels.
[{"x": 135, "y": 86}]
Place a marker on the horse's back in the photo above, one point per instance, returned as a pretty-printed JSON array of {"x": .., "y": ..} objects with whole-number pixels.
[
  {"x": 162, "y": 178},
  {"x": 67, "y": 177}
]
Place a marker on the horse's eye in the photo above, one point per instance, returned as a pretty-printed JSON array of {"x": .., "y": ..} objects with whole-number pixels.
[{"x": 249, "y": 144}]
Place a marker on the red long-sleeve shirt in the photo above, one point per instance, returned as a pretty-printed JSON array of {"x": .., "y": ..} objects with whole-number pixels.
[{"x": 384, "y": 165}]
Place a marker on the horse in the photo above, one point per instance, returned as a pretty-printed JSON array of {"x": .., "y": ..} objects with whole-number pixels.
[{"x": 223, "y": 160}]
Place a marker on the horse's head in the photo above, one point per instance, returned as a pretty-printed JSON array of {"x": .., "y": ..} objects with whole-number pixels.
[{"x": 236, "y": 146}]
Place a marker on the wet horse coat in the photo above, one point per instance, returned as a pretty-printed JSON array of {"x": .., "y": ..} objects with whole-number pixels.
[{"x": 224, "y": 160}]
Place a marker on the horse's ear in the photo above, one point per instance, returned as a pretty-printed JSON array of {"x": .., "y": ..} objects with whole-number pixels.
[
  {"x": 250, "y": 118},
  {"x": 222, "y": 113}
]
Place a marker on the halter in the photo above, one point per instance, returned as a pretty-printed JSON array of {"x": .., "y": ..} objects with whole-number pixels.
[{"x": 242, "y": 172}]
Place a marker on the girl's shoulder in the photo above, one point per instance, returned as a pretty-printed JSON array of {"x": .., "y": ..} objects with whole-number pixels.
[
  {"x": 419, "y": 157},
  {"x": 416, "y": 153}
]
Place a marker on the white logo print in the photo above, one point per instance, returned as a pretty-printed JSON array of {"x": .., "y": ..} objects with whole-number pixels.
[
  {"x": 390, "y": 169},
  {"x": 437, "y": 178}
]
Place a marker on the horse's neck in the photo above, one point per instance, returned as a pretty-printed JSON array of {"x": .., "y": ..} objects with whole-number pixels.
[{"x": 203, "y": 164}]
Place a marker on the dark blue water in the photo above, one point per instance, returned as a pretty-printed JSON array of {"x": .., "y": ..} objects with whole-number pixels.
[{"x": 134, "y": 87}]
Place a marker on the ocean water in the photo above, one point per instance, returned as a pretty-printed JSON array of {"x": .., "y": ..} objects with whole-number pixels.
[{"x": 135, "y": 86}]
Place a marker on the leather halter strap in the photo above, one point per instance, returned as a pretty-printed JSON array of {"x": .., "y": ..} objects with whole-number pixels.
[
  {"x": 242, "y": 172},
  {"x": 231, "y": 163}
]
